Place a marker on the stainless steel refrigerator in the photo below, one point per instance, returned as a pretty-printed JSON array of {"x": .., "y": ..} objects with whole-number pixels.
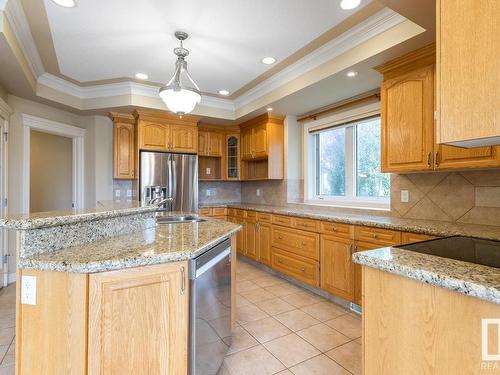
[{"x": 168, "y": 175}]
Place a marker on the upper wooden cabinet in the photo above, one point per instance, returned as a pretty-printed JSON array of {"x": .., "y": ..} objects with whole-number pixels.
[
  {"x": 408, "y": 142},
  {"x": 210, "y": 143},
  {"x": 123, "y": 146},
  {"x": 262, "y": 146},
  {"x": 159, "y": 131},
  {"x": 468, "y": 62}
]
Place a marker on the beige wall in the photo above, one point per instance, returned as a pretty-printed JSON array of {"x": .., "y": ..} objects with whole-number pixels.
[
  {"x": 98, "y": 154},
  {"x": 50, "y": 172},
  {"x": 3, "y": 93}
]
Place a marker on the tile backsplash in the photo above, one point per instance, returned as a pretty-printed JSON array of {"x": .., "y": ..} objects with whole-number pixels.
[
  {"x": 219, "y": 192},
  {"x": 464, "y": 197}
]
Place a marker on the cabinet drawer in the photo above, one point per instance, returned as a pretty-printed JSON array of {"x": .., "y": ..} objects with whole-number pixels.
[
  {"x": 384, "y": 237},
  {"x": 252, "y": 214},
  {"x": 296, "y": 241},
  {"x": 305, "y": 224},
  {"x": 303, "y": 269},
  {"x": 282, "y": 220},
  {"x": 206, "y": 211},
  {"x": 407, "y": 237},
  {"x": 264, "y": 217},
  {"x": 231, "y": 212},
  {"x": 239, "y": 213},
  {"x": 337, "y": 229},
  {"x": 219, "y": 211}
]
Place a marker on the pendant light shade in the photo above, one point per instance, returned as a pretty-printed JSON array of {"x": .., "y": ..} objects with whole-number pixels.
[{"x": 181, "y": 94}]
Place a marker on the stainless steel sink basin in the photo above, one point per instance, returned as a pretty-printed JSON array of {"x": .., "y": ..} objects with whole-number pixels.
[{"x": 167, "y": 219}]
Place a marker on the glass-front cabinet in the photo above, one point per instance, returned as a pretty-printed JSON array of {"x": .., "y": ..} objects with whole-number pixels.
[{"x": 233, "y": 159}]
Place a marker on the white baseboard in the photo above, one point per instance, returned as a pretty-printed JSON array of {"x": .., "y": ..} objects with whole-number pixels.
[{"x": 11, "y": 278}]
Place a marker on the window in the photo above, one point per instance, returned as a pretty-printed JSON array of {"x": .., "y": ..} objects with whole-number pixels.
[{"x": 345, "y": 165}]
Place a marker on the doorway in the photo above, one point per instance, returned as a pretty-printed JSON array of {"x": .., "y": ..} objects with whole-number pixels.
[
  {"x": 59, "y": 152},
  {"x": 51, "y": 181}
]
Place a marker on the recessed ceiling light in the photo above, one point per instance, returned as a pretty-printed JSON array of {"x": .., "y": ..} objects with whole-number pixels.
[
  {"x": 351, "y": 73},
  {"x": 141, "y": 76},
  {"x": 349, "y": 4},
  {"x": 224, "y": 92},
  {"x": 269, "y": 109},
  {"x": 268, "y": 60},
  {"x": 66, "y": 3}
]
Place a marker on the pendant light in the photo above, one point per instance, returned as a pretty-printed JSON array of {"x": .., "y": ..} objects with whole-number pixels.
[{"x": 181, "y": 94}]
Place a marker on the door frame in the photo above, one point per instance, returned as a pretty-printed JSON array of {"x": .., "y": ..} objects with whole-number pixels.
[
  {"x": 5, "y": 112},
  {"x": 57, "y": 128}
]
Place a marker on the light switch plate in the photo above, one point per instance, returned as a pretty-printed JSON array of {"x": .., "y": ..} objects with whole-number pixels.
[
  {"x": 28, "y": 290},
  {"x": 258, "y": 192},
  {"x": 117, "y": 192},
  {"x": 208, "y": 172},
  {"x": 405, "y": 196},
  {"x": 129, "y": 193}
]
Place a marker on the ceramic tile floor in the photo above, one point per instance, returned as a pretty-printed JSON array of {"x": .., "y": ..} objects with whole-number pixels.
[
  {"x": 7, "y": 329},
  {"x": 284, "y": 329},
  {"x": 281, "y": 329}
]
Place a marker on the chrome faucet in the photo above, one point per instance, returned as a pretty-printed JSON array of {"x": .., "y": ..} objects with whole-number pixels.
[{"x": 158, "y": 201}]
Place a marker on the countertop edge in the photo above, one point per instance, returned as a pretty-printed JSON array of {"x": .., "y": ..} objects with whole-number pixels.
[
  {"x": 443, "y": 280},
  {"x": 113, "y": 265}
]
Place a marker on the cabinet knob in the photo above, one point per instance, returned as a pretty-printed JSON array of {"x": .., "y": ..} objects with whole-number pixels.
[
  {"x": 303, "y": 269},
  {"x": 304, "y": 243},
  {"x": 334, "y": 229},
  {"x": 280, "y": 261},
  {"x": 280, "y": 237},
  {"x": 374, "y": 235}
]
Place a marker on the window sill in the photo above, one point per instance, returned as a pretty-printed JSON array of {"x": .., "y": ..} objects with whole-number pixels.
[{"x": 361, "y": 205}]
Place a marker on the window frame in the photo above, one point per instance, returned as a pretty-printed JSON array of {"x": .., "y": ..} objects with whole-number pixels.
[{"x": 310, "y": 152}]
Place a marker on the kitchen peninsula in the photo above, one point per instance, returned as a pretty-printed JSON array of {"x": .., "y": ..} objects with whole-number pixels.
[{"x": 107, "y": 290}]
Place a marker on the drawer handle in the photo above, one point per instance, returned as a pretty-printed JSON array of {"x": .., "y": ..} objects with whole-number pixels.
[
  {"x": 304, "y": 243},
  {"x": 374, "y": 235},
  {"x": 280, "y": 261},
  {"x": 303, "y": 269},
  {"x": 280, "y": 237},
  {"x": 334, "y": 229}
]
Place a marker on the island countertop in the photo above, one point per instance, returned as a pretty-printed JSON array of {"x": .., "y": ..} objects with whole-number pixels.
[
  {"x": 467, "y": 278},
  {"x": 160, "y": 243}
]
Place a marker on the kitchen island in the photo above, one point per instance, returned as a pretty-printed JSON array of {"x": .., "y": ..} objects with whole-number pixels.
[
  {"x": 107, "y": 290},
  {"x": 423, "y": 314}
]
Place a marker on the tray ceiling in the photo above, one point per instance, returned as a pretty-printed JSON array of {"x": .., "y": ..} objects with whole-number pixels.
[{"x": 103, "y": 40}]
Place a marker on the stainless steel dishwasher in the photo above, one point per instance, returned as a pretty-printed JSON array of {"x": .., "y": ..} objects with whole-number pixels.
[{"x": 210, "y": 309}]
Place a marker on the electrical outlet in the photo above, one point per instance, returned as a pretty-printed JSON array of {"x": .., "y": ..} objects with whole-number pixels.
[
  {"x": 117, "y": 193},
  {"x": 28, "y": 290},
  {"x": 405, "y": 196},
  {"x": 208, "y": 171},
  {"x": 258, "y": 192},
  {"x": 129, "y": 193}
]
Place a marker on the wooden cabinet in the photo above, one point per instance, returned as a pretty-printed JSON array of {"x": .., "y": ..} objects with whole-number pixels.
[
  {"x": 147, "y": 308},
  {"x": 408, "y": 140},
  {"x": 264, "y": 242},
  {"x": 250, "y": 231},
  {"x": 337, "y": 268},
  {"x": 123, "y": 146},
  {"x": 158, "y": 131},
  {"x": 232, "y": 156},
  {"x": 184, "y": 138},
  {"x": 468, "y": 63},
  {"x": 301, "y": 268},
  {"x": 296, "y": 241},
  {"x": 262, "y": 146},
  {"x": 240, "y": 236},
  {"x": 407, "y": 237},
  {"x": 210, "y": 143}
]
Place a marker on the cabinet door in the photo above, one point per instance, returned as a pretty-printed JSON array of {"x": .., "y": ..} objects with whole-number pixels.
[
  {"x": 138, "y": 320},
  {"x": 246, "y": 144},
  {"x": 357, "y": 269},
  {"x": 240, "y": 236},
  {"x": 123, "y": 151},
  {"x": 407, "y": 112},
  {"x": 203, "y": 139},
  {"x": 450, "y": 157},
  {"x": 259, "y": 142},
  {"x": 264, "y": 243},
  {"x": 184, "y": 138},
  {"x": 215, "y": 144},
  {"x": 251, "y": 239},
  {"x": 153, "y": 136},
  {"x": 337, "y": 267},
  {"x": 468, "y": 62},
  {"x": 232, "y": 157}
]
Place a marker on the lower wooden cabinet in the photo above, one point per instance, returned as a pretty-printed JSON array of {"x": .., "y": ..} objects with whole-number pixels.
[
  {"x": 250, "y": 231},
  {"x": 264, "y": 243},
  {"x": 337, "y": 268},
  {"x": 138, "y": 321},
  {"x": 303, "y": 269}
]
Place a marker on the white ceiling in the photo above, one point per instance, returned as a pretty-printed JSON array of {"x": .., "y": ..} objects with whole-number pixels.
[{"x": 109, "y": 39}]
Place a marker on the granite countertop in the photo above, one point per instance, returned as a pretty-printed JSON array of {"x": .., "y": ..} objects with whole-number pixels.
[
  {"x": 55, "y": 218},
  {"x": 430, "y": 227},
  {"x": 161, "y": 243},
  {"x": 467, "y": 278}
]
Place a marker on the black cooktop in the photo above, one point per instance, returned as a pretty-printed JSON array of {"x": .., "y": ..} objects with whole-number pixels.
[{"x": 467, "y": 249}]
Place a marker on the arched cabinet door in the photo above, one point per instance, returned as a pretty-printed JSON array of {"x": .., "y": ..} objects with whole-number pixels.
[{"x": 233, "y": 157}]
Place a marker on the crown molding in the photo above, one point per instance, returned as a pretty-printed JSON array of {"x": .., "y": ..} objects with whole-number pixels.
[
  {"x": 17, "y": 19},
  {"x": 374, "y": 25}
]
